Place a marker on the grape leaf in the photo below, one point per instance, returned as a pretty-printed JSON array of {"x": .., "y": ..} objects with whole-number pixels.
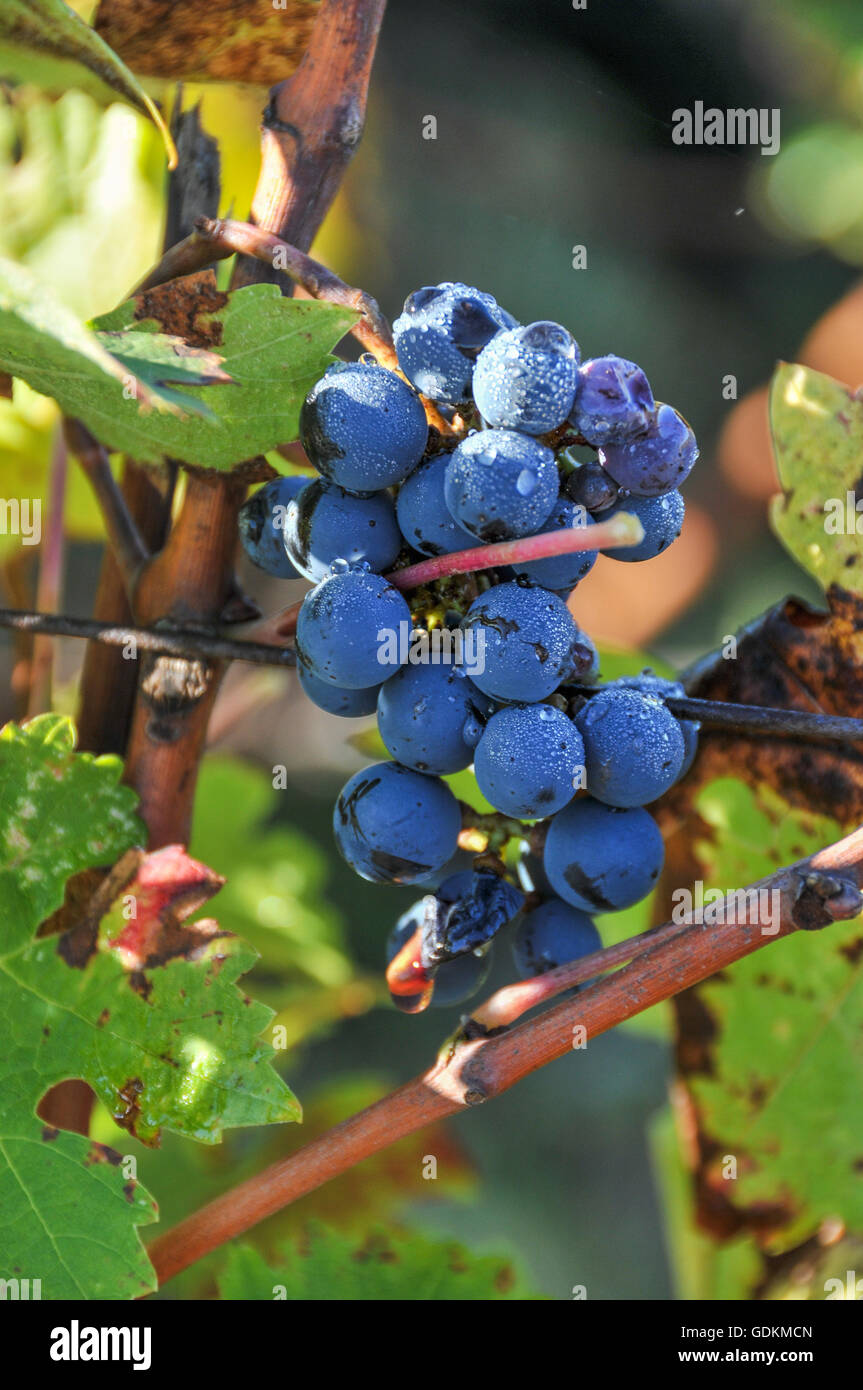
[
  {"x": 250, "y": 42},
  {"x": 385, "y": 1266},
  {"x": 175, "y": 1046},
  {"x": 816, "y": 425},
  {"x": 273, "y": 349},
  {"x": 67, "y": 1213},
  {"x": 792, "y": 657},
  {"x": 43, "y": 342},
  {"x": 771, "y": 1050},
  {"x": 45, "y": 42}
]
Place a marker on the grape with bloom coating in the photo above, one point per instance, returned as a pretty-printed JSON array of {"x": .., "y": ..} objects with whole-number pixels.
[
  {"x": 527, "y": 760},
  {"x": 324, "y": 523},
  {"x": 553, "y": 934},
  {"x": 261, "y": 522},
  {"x": 633, "y": 747},
  {"x": 500, "y": 485},
  {"x": 438, "y": 336},
  {"x": 363, "y": 427},
  {"x": 613, "y": 400},
  {"x": 336, "y": 699},
  {"x": 661, "y": 519},
  {"x": 601, "y": 858},
  {"x": 651, "y": 684},
  {"x": 339, "y": 624},
  {"x": 525, "y": 378},
  {"x": 530, "y": 643},
  {"x": 654, "y": 462},
  {"x": 426, "y": 521},
  {"x": 393, "y": 825},
  {"x": 431, "y": 717}
]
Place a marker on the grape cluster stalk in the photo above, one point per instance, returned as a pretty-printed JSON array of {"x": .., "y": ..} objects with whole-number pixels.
[{"x": 482, "y": 667}]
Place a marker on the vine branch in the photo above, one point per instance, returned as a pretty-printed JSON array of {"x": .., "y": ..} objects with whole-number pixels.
[
  {"x": 125, "y": 539},
  {"x": 823, "y": 888},
  {"x": 205, "y": 643}
]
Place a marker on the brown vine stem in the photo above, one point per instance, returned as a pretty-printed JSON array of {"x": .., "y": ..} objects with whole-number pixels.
[
  {"x": 50, "y": 582},
  {"x": 812, "y": 893},
  {"x": 219, "y": 238},
  {"x": 311, "y": 129},
  {"x": 126, "y": 541},
  {"x": 206, "y": 644}
]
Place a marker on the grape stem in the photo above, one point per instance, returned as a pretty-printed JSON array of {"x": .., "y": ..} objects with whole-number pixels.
[
  {"x": 620, "y": 530},
  {"x": 812, "y": 893}
]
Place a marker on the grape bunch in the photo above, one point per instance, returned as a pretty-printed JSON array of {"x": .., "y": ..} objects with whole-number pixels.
[{"x": 568, "y": 765}]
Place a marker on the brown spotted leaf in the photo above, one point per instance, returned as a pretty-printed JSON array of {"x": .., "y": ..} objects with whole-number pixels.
[
  {"x": 382, "y": 1266},
  {"x": 166, "y": 889},
  {"x": 233, "y": 41},
  {"x": 177, "y": 1046},
  {"x": 770, "y": 1052},
  {"x": 793, "y": 657}
]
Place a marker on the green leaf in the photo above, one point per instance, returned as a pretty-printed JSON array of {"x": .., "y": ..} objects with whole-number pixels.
[
  {"x": 274, "y": 350},
  {"x": 817, "y": 429},
  {"x": 386, "y": 1266},
  {"x": 45, "y": 42},
  {"x": 59, "y": 813},
  {"x": 42, "y": 342},
  {"x": 779, "y": 1087},
  {"x": 175, "y": 1046},
  {"x": 68, "y": 1216}
]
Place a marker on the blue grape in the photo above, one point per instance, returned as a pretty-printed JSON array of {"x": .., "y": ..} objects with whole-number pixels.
[
  {"x": 662, "y": 519},
  {"x": 325, "y": 523},
  {"x": 526, "y": 643},
  {"x": 455, "y": 980},
  {"x": 335, "y": 699},
  {"x": 338, "y": 630},
  {"x": 553, "y": 934},
  {"x": 559, "y": 571},
  {"x": 633, "y": 747},
  {"x": 500, "y": 485},
  {"x": 656, "y": 461},
  {"x": 526, "y": 761},
  {"x": 431, "y": 717},
  {"x": 261, "y": 521},
  {"x": 439, "y": 334},
  {"x": 613, "y": 400},
  {"x": 525, "y": 378},
  {"x": 600, "y": 858},
  {"x": 589, "y": 486},
  {"x": 363, "y": 427},
  {"x": 426, "y": 521},
  {"x": 651, "y": 684},
  {"x": 469, "y": 910},
  {"x": 393, "y": 825}
]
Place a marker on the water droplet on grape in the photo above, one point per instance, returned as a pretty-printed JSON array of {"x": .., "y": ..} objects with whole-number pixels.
[{"x": 526, "y": 483}]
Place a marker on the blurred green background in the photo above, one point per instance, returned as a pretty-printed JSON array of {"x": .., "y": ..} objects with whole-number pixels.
[{"x": 553, "y": 132}]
